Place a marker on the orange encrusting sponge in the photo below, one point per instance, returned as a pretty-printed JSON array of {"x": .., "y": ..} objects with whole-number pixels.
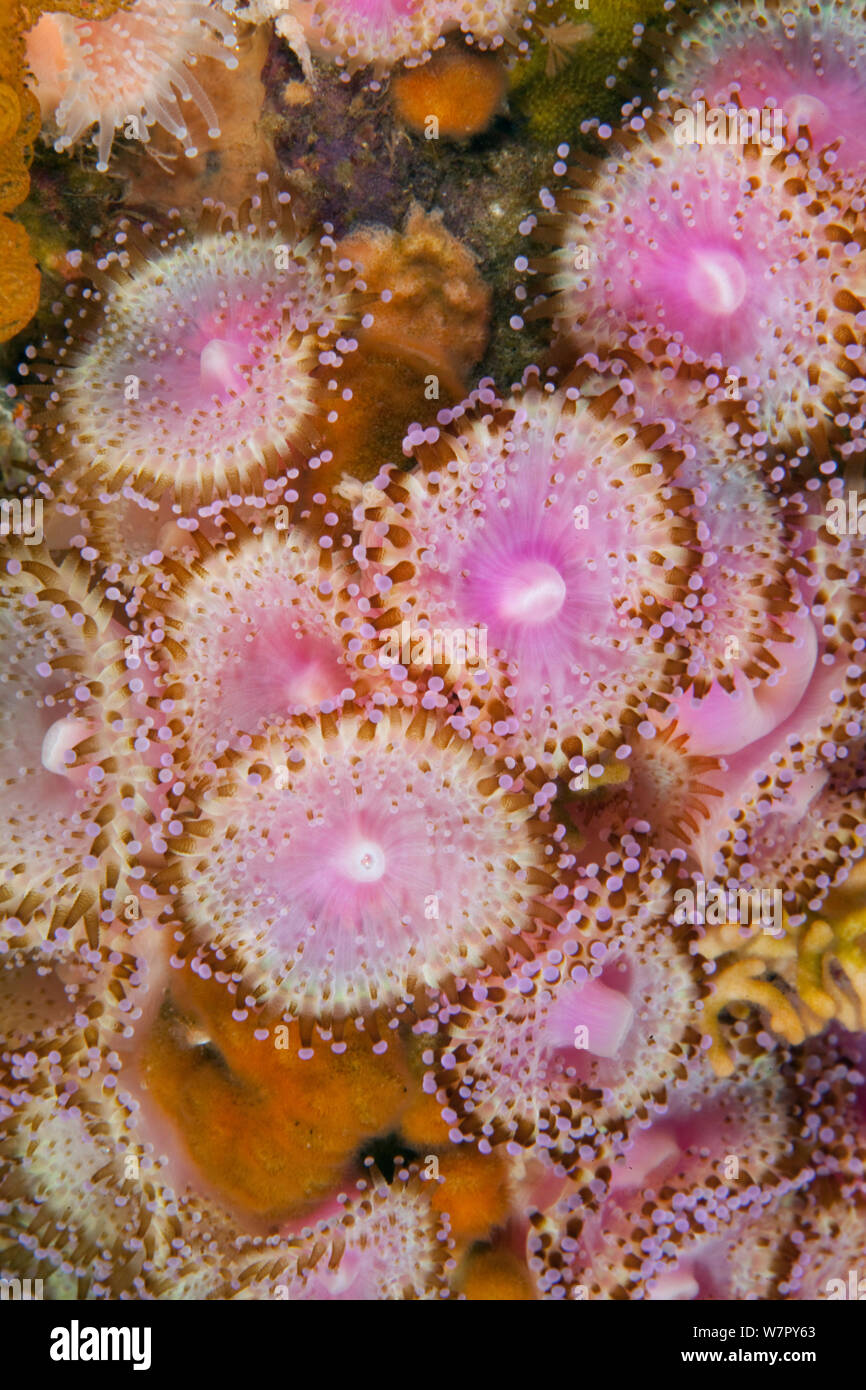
[
  {"x": 270, "y": 1132},
  {"x": 455, "y": 95},
  {"x": 474, "y": 1194},
  {"x": 495, "y": 1276}
]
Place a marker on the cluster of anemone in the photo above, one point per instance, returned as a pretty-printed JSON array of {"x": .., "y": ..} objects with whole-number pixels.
[
  {"x": 499, "y": 814},
  {"x": 126, "y": 71},
  {"x": 133, "y": 68}
]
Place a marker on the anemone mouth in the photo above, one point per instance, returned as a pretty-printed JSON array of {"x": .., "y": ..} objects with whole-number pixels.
[
  {"x": 705, "y": 250},
  {"x": 135, "y": 65},
  {"x": 195, "y": 375},
  {"x": 660, "y": 784},
  {"x": 361, "y": 859},
  {"x": 67, "y": 756},
  {"x": 716, "y": 281},
  {"x": 526, "y": 599},
  {"x": 551, "y": 528},
  {"x": 806, "y": 110},
  {"x": 358, "y": 865},
  {"x": 605, "y": 1028},
  {"x": 533, "y": 593}
]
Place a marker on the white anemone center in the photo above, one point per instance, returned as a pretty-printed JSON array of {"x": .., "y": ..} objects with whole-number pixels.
[
  {"x": 218, "y": 363},
  {"x": 60, "y": 739},
  {"x": 311, "y": 685},
  {"x": 364, "y": 861},
  {"x": 716, "y": 282},
  {"x": 533, "y": 593}
]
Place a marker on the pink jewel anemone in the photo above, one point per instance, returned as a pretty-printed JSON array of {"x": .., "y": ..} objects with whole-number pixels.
[
  {"x": 554, "y": 530},
  {"x": 386, "y": 1242},
  {"x": 661, "y": 784},
  {"x": 193, "y": 371},
  {"x": 707, "y": 252},
  {"x": 743, "y": 599},
  {"x": 576, "y": 1045},
  {"x": 347, "y": 865},
  {"x": 70, "y": 760},
  {"x": 381, "y": 33},
  {"x": 802, "y": 58},
  {"x": 127, "y": 72},
  {"x": 750, "y": 635},
  {"x": 83, "y": 1217},
  {"x": 63, "y": 1006},
  {"x": 257, "y": 630},
  {"x": 813, "y": 710},
  {"x": 678, "y": 1208},
  {"x": 802, "y": 841}
]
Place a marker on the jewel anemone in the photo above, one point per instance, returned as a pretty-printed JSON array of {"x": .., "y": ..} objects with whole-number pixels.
[
  {"x": 830, "y": 719},
  {"x": 830, "y": 1075},
  {"x": 664, "y": 790},
  {"x": 677, "y": 1202},
  {"x": 257, "y": 630},
  {"x": 190, "y": 366},
  {"x": 801, "y": 840},
  {"x": 743, "y": 598},
  {"x": 345, "y": 866},
  {"x": 554, "y": 530},
  {"x": 74, "y": 787},
  {"x": 802, "y": 58},
  {"x": 575, "y": 1046},
  {"x": 128, "y": 72},
  {"x": 809, "y": 710},
  {"x": 706, "y": 252},
  {"x": 387, "y": 1242},
  {"x": 77, "y": 1212},
  {"x": 382, "y": 33}
]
